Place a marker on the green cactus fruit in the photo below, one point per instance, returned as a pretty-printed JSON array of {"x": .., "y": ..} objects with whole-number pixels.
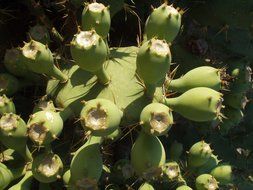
[
  {"x": 147, "y": 155},
  {"x": 44, "y": 105},
  {"x": 206, "y": 182},
  {"x": 122, "y": 170},
  {"x": 6, "y": 105},
  {"x": 14, "y": 64},
  {"x": 199, "y": 154},
  {"x": 96, "y": 16},
  {"x": 7, "y": 175},
  {"x": 212, "y": 162},
  {"x": 115, "y": 135},
  {"x": 13, "y": 134},
  {"x": 156, "y": 119},
  {"x": 100, "y": 116},
  {"x": 90, "y": 52},
  {"x": 236, "y": 100},
  {"x": 47, "y": 167},
  {"x": 184, "y": 187},
  {"x": 9, "y": 84},
  {"x": 163, "y": 23},
  {"x": 152, "y": 63},
  {"x": 44, "y": 127},
  {"x": 241, "y": 72},
  {"x": 175, "y": 151},
  {"x": 39, "y": 59},
  {"x": 87, "y": 165},
  {"x": 112, "y": 187},
  {"x": 197, "y": 104},
  {"x": 25, "y": 183},
  {"x": 232, "y": 118},
  {"x": 66, "y": 177},
  {"x": 39, "y": 33},
  {"x": 146, "y": 186},
  {"x": 223, "y": 174},
  {"x": 171, "y": 171},
  {"x": 214, "y": 79},
  {"x": 82, "y": 85}
]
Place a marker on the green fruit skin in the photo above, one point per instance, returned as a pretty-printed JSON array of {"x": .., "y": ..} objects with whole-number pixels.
[
  {"x": 209, "y": 165},
  {"x": 176, "y": 150},
  {"x": 51, "y": 120},
  {"x": 38, "y": 161},
  {"x": 146, "y": 186},
  {"x": 194, "y": 78},
  {"x": 241, "y": 72},
  {"x": 223, "y": 174},
  {"x": 147, "y": 153},
  {"x": 40, "y": 34},
  {"x": 87, "y": 161},
  {"x": 9, "y": 84},
  {"x": 25, "y": 183},
  {"x": 6, "y": 105},
  {"x": 184, "y": 187},
  {"x": 233, "y": 118},
  {"x": 203, "y": 181},
  {"x": 43, "y": 61},
  {"x": 199, "y": 154},
  {"x": 168, "y": 167},
  {"x": 99, "y": 21},
  {"x": 15, "y": 138},
  {"x": 44, "y": 105},
  {"x": 66, "y": 177},
  {"x": 14, "y": 63},
  {"x": 5, "y": 176},
  {"x": 163, "y": 23},
  {"x": 197, "y": 104},
  {"x": 235, "y": 100},
  {"x": 146, "y": 116},
  {"x": 151, "y": 67},
  {"x": 113, "y": 116},
  {"x": 89, "y": 58}
]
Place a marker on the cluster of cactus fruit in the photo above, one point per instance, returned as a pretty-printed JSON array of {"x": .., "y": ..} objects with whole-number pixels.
[{"x": 111, "y": 93}]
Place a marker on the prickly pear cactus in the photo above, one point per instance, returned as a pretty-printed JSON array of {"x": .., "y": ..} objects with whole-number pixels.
[{"x": 113, "y": 94}]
